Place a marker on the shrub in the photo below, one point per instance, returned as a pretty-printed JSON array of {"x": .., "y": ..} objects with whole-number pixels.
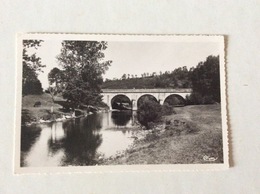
[
  {"x": 207, "y": 99},
  {"x": 167, "y": 109},
  {"x": 193, "y": 99},
  {"x": 149, "y": 112},
  {"x": 26, "y": 116},
  {"x": 196, "y": 98}
]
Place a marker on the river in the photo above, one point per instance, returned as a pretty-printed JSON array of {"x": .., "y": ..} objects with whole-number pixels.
[{"x": 80, "y": 141}]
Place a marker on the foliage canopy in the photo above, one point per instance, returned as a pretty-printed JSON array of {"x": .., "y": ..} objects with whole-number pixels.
[
  {"x": 83, "y": 65},
  {"x": 149, "y": 112},
  {"x": 205, "y": 80},
  {"x": 31, "y": 66}
]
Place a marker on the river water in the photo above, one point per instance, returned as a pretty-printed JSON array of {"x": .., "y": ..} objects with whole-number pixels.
[{"x": 80, "y": 141}]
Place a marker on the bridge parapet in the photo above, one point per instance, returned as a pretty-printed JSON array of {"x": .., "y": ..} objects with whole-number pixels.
[{"x": 153, "y": 90}]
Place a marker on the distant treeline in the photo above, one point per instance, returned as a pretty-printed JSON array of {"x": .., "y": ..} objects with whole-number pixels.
[
  {"x": 204, "y": 79},
  {"x": 178, "y": 78}
]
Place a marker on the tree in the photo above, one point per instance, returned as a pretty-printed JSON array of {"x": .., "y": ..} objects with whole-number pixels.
[
  {"x": 55, "y": 76},
  {"x": 83, "y": 64},
  {"x": 149, "y": 112},
  {"x": 206, "y": 80},
  {"x": 124, "y": 76},
  {"x": 33, "y": 86},
  {"x": 56, "y": 84},
  {"x": 31, "y": 66}
]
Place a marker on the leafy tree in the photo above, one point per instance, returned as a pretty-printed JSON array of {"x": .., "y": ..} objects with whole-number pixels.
[
  {"x": 124, "y": 76},
  {"x": 56, "y": 76},
  {"x": 83, "y": 64},
  {"x": 56, "y": 81},
  {"x": 31, "y": 66},
  {"x": 33, "y": 86},
  {"x": 206, "y": 81},
  {"x": 149, "y": 112}
]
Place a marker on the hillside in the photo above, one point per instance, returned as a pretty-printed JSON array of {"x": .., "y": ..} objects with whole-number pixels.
[
  {"x": 147, "y": 83},
  {"x": 32, "y": 113},
  {"x": 178, "y": 78}
]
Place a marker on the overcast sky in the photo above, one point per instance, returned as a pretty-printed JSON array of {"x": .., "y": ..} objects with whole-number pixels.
[{"x": 136, "y": 57}]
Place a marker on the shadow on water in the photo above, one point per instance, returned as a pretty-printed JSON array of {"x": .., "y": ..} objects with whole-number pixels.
[{"x": 121, "y": 118}]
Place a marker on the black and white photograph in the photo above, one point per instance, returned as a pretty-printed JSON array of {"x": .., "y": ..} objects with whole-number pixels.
[{"x": 90, "y": 103}]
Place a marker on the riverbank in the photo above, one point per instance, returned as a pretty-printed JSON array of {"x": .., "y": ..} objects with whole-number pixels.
[
  {"x": 47, "y": 111},
  {"x": 191, "y": 136}
]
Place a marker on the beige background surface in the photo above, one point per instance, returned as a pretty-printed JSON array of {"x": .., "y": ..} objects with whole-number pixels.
[{"x": 238, "y": 20}]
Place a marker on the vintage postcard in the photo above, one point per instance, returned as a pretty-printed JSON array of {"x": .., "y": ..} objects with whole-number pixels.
[{"x": 118, "y": 103}]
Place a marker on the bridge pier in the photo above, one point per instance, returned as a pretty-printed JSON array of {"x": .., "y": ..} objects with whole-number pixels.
[
  {"x": 161, "y": 101},
  {"x": 134, "y": 105}
]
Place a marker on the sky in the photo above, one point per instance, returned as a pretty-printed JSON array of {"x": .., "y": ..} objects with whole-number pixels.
[{"x": 135, "y": 57}]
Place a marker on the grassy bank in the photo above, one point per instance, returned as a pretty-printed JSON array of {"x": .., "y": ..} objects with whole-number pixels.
[
  {"x": 31, "y": 113},
  {"x": 192, "y": 135}
]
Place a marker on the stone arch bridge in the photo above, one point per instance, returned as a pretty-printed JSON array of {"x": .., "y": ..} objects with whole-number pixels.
[{"x": 135, "y": 94}]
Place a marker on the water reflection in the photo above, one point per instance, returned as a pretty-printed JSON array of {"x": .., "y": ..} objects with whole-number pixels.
[
  {"x": 121, "y": 118},
  {"x": 28, "y": 138},
  {"x": 76, "y": 141},
  {"x": 81, "y": 141}
]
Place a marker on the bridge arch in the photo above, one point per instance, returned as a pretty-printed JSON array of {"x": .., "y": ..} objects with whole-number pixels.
[
  {"x": 141, "y": 97},
  {"x": 175, "y": 100},
  {"x": 118, "y": 101}
]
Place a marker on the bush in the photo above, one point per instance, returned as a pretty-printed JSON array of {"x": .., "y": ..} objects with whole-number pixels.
[
  {"x": 149, "y": 112},
  {"x": 196, "y": 98},
  {"x": 167, "y": 109},
  {"x": 26, "y": 117}
]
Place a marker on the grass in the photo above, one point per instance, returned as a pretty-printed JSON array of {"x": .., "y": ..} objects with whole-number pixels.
[
  {"x": 45, "y": 99},
  {"x": 191, "y": 136},
  {"x": 31, "y": 113}
]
